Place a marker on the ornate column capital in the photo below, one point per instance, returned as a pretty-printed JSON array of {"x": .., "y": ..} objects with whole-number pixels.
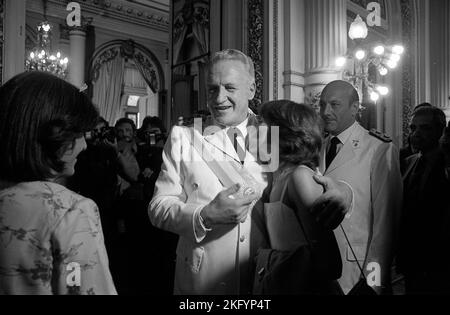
[{"x": 85, "y": 23}]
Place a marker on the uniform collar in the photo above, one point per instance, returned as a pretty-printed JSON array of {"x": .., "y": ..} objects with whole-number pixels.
[{"x": 346, "y": 134}]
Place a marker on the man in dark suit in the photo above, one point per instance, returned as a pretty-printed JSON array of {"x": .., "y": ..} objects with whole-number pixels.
[{"x": 423, "y": 255}]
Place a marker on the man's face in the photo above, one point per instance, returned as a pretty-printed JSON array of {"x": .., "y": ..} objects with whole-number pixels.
[
  {"x": 424, "y": 133},
  {"x": 125, "y": 132},
  {"x": 229, "y": 90},
  {"x": 336, "y": 111}
]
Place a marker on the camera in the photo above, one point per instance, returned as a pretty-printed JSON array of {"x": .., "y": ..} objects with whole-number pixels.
[
  {"x": 152, "y": 139},
  {"x": 109, "y": 134}
]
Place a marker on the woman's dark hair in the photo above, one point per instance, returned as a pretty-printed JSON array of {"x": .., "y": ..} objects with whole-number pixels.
[
  {"x": 41, "y": 116},
  {"x": 300, "y": 131}
]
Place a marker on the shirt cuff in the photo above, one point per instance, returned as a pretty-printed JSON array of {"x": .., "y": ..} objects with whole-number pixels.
[
  {"x": 350, "y": 211},
  {"x": 200, "y": 230}
]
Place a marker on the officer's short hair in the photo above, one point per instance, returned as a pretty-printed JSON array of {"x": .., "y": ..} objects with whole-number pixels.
[{"x": 234, "y": 54}]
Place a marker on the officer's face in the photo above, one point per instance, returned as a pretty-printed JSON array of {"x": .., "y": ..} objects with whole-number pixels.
[
  {"x": 336, "y": 110},
  {"x": 424, "y": 133},
  {"x": 229, "y": 91}
]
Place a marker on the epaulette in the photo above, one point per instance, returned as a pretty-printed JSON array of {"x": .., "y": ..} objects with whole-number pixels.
[{"x": 381, "y": 136}]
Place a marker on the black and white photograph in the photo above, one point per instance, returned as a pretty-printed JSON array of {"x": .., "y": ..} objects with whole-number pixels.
[{"x": 225, "y": 155}]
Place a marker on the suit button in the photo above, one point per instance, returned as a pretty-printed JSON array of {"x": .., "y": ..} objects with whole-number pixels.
[
  {"x": 242, "y": 239},
  {"x": 195, "y": 186}
]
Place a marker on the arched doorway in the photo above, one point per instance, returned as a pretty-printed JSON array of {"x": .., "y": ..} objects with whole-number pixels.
[{"x": 126, "y": 81}]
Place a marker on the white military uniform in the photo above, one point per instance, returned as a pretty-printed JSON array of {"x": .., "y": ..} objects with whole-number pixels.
[
  {"x": 207, "y": 263},
  {"x": 369, "y": 162}
]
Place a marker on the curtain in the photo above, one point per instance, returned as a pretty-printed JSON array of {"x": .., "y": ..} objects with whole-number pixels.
[{"x": 108, "y": 89}]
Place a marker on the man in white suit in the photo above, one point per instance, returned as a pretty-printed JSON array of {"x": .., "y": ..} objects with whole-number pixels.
[
  {"x": 214, "y": 225},
  {"x": 368, "y": 161}
]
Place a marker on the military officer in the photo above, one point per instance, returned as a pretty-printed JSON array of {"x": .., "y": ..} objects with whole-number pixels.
[{"x": 368, "y": 161}]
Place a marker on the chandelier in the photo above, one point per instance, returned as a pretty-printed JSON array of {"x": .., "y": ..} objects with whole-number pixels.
[
  {"x": 366, "y": 56},
  {"x": 42, "y": 58}
]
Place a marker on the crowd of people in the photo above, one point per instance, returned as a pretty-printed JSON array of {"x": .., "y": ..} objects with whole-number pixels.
[{"x": 149, "y": 211}]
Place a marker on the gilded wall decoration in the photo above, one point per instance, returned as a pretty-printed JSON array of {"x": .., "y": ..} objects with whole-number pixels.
[
  {"x": 2, "y": 6},
  {"x": 408, "y": 65},
  {"x": 256, "y": 47}
]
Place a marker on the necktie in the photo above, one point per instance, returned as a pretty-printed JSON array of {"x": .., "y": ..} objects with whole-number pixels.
[
  {"x": 332, "y": 151},
  {"x": 233, "y": 134}
]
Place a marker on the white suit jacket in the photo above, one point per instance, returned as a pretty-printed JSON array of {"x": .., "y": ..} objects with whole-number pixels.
[
  {"x": 371, "y": 166},
  {"x": 186, "y": 184}
]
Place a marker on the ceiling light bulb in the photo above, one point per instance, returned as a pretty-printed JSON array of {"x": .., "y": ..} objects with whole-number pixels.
[
  {"x": 392, "y": 64},
  {"x": 379, "y": 50},
  {"x": 398, "y": 49},
  {"x": 358, "y": 29},
  {"x": 340, "y": 62},
  {"x": 374, "y": 96},
  {"x": 383, "y": 71},
  {"x": 383, "y": 90},
  {"x": 395, "y": 57},
  {"x": 360, "y": 54}
]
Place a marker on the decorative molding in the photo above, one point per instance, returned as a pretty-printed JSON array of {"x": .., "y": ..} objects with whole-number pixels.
[
  {"x": 408, "y": 70},
  {"x": 275, "y": 49},
  {"x": 124, "y": 11},
  {"x": 130, "y": 50},
  {"x": 294, "y": 73},
  {"x": 256, "y": 47}
]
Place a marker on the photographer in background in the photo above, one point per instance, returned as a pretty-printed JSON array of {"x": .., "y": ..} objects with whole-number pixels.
[{"x": 151, "y": 139}]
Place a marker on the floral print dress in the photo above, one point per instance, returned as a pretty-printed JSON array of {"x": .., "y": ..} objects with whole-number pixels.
[{"x": 51, "y": 242}]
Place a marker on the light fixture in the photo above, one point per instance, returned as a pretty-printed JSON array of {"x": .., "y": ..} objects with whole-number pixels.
[
  {"x": 398, "y": 49},
  {"x": 383, "y": 90},
  {"x": 383, "y": 71},
  {"x": 358, "y": 29},
  {"x": 368, "y": 61},
  {"x": 341, "y": 61},
  {"x": 41, "y": 58},
  {"x": 379, "y": 50},
  {"x": 374, "y": 96},
  {"x": 360, "y": 54}
]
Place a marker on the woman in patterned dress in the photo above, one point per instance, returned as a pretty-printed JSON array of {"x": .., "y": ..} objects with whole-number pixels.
[{"x": 51, "y": 239}]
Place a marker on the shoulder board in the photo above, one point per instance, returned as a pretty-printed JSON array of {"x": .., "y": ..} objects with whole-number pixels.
[{"x": 379, "y": 135}]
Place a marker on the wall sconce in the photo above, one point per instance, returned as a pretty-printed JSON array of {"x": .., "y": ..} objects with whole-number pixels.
[{"x": 364, "y": 55}]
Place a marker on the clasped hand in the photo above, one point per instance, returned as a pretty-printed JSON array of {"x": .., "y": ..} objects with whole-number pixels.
[{"x": 227, "y": 209}]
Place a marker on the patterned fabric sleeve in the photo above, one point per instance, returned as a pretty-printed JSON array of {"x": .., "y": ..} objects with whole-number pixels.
[{"x": 80, "y": 258}]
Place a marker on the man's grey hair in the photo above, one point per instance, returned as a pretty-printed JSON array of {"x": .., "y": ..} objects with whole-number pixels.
[{"x": 234, "y": 54}]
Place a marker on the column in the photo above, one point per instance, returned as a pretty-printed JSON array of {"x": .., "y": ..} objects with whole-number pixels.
[
  {"x": 14, "y": 34},
  {"x": 440, "y": 52},
  {"x": 77, "y": 37},
  {"x": 326, "y": 39},
  {"x": 294, "y": 50}
]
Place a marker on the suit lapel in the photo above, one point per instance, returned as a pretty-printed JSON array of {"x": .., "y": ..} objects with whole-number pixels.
[
  {"x": 221, "y": 142},
  {"x": 347, "y": 153}
]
